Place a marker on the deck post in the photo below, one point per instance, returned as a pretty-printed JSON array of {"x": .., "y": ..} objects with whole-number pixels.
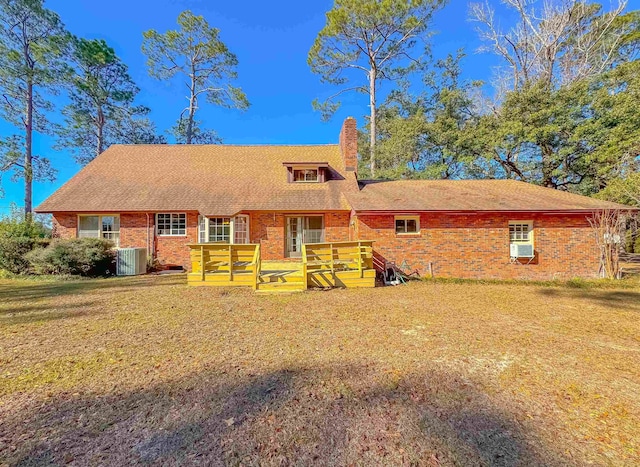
[
  {"x": 230, "y": 262},
  {"x": 304, "y": 266},
  {"x": 332, "y": 256},
  {"x": 360, "y": 260},
  {"x": 202, "y": 272},
  {"x": 256, "y": 260}
]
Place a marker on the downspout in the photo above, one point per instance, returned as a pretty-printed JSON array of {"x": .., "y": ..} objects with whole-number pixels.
[{"x": 148, "y": 251}]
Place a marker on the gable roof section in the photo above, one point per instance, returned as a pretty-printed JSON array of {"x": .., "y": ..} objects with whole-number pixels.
[
  {"x": 469, "y": 195},
  {"x": 212, "y": 179}
]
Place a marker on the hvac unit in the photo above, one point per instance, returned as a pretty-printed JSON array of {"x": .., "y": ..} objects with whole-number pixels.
[
  {"x": 521, "y": 250},
  {"x": 131, "y": 261}
]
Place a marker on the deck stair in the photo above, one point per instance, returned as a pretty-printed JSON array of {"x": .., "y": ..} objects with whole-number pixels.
[{"x": 281, "y": 277}]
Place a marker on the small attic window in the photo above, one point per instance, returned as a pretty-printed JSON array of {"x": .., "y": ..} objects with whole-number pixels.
[
  {"x": 306, "y": 175},
  {"x": 307, "y": 172}
]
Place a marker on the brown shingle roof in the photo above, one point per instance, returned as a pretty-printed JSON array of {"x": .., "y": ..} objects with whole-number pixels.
[
  {"x": 468, "y": 195},
  {"x": 213, "y": 179},
  {"x": 223, "y": 180}
]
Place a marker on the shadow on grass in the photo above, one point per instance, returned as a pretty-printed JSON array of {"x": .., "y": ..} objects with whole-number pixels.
[
  {"x": 17, "y": 290},
  {"x": 40, "y": 313},
  {"x": 616, "y": 299},
  {"x": 341, "y": 415}
]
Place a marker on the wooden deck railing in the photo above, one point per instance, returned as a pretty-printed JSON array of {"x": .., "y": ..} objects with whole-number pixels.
[
  {"x": 338, "y": 263},
  {"x": 225, "y": 263},
  {"x": 333, "y": 264}
]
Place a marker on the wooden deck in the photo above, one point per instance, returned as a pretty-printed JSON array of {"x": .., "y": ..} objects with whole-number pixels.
[{"x": 337, "y": 264}]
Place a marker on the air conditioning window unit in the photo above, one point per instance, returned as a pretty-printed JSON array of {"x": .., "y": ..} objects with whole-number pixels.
[
  {"x": 521, "y": 250},
  {"x": 131, "y": 261}
]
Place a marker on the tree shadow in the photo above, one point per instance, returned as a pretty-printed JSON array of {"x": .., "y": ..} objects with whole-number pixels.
[
  {"x": 627, "y": 300},
  {"x": 17, "y": 291},
  {"x": 337, "y": 415},
  {"x": 24, "y": 314}
]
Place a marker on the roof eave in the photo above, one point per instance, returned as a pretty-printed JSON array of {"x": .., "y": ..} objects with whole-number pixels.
[{"x": 491, "y": 211}]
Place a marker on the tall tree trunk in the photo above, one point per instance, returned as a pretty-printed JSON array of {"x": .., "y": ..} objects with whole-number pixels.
[
  {"x": 372, "y": 122},
  {"x": 100, "y": 128},
  {"x": 192, "y": 103},
  {"x": 547, "y": 166},
  {"x": 28, "y": 154}
]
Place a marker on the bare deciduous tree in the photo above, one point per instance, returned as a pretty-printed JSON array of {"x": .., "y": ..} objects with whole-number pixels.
[
  {"x": 557, "y": 44},
  {"x": 609, "y": 227}
]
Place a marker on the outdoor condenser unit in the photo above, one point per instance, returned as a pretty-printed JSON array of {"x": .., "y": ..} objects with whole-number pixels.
[
  {"x": 521, "y": 250},
  {"x": 131, "y": 261}
]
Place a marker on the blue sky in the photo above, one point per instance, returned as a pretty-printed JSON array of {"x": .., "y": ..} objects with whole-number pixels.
[{"x": 271, "y": 41}]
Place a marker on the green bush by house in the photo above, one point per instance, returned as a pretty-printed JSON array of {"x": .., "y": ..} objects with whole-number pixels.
[
  {"x": 90, "y": 257},
  {"x": 13, "y": 252},
  {"x": 17, "y": 238}
]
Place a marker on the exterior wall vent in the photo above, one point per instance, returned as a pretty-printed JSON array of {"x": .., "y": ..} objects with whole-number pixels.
[{"x": 131, "y": 261}]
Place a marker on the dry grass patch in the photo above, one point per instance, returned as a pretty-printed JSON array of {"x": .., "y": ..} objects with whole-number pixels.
[{"x": 149, "y": 370}]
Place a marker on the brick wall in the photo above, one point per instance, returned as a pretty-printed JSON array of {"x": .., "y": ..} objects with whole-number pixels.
[
  {"x": 468, "y": 246},
  {"x": 477, "y": 246},
  {"x": 268, "y": 229},
  {"x": 336, "y": 227},
  {"x": 173, "y": 250},
  {"x": 170, "y": 251},
  {"x": 65, "y": 225}
]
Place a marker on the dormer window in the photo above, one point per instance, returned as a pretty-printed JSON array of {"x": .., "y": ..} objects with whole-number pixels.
[
  {"x": 307, "y": 172},
  {"x": 306, "y": 175}
]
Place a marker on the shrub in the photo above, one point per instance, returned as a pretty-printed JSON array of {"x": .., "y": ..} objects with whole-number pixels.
[
  {"x": 18, "y": 237},
  {"x": 13, "y": 252},
  {"x": 78, "y": 256},
  {"x": 14, "y": 225}
]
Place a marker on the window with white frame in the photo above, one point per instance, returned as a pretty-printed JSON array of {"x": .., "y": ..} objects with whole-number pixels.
[
  {"x": 241, "y": 229},
  {"x": 220, "y": 229},
  {"x": 305, "y": 175},
  {"x": 93, "y": 226},
  {"x": 223, "y": 229},
  {"x": 202, "y": 229},
  {"x": 407, "y": 225},
  {"x": 521, "y": 232},
  {"x": 171, "y": 224}
]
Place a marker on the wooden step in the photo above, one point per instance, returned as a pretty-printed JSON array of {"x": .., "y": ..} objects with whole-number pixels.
[
  {"x": 280, "y": 287},
  {"x": 276, "y": 278}
]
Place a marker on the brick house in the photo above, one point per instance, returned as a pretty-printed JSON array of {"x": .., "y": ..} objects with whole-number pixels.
[{"x": 163, "y": 197}]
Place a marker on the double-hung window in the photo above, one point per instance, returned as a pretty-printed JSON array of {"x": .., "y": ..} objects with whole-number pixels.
[
  {"x": 171, "y": 224},
  {"x": 407, "y": 225},
  {"x": 107, "y": 227}
]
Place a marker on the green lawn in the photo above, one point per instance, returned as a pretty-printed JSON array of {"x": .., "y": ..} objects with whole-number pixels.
[{"x": 148, "y": 370}]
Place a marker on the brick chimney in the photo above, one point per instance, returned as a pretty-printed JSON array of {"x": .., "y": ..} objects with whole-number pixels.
[{"x": 349, "y": 144}]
